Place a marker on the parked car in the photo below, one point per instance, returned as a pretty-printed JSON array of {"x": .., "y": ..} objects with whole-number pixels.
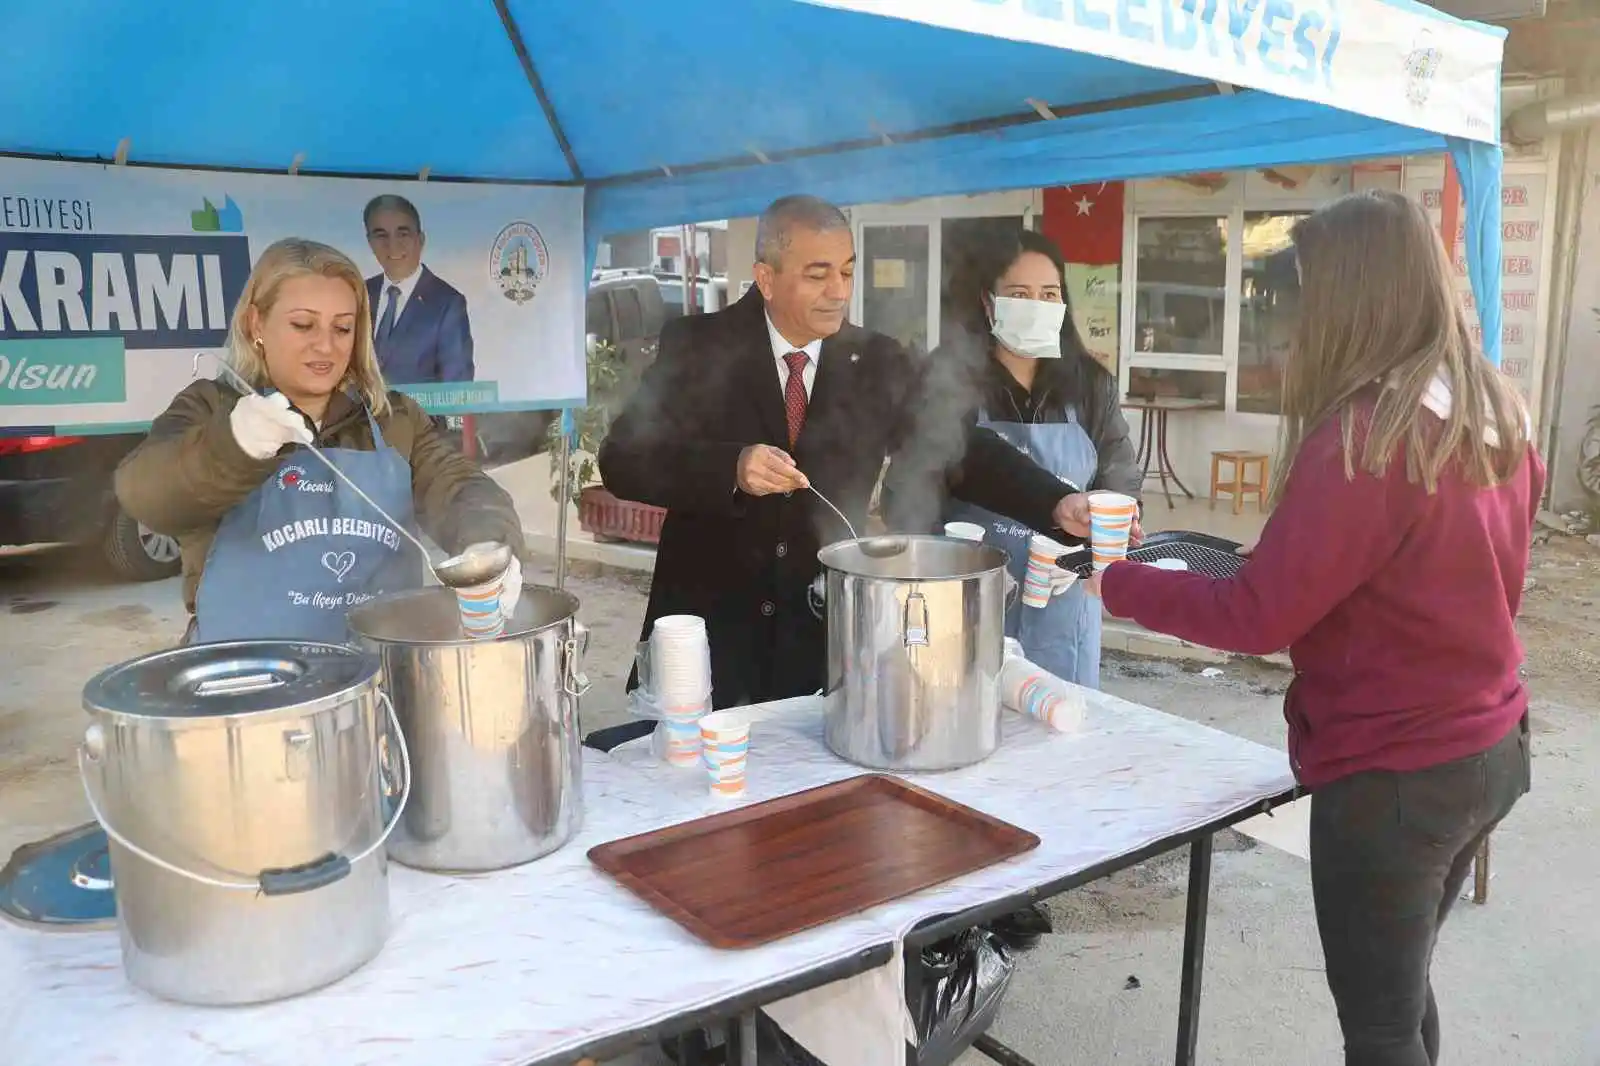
[
  {"x": 625, "y": 309},
  {"x": 711, "y": 293},
  {"x": 57, "y": 490}
]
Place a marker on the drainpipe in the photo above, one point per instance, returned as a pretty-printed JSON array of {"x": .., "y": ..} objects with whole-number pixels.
[{"x": 1531, "y": 124}]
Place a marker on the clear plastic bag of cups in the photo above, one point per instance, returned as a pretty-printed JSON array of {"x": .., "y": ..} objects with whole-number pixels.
[{"x": 1027, "y": 689}]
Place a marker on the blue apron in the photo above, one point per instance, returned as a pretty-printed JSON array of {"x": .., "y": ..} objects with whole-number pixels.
[
  {"x": 291, "y": 560},
  {"x": 1063, "y": 636}
]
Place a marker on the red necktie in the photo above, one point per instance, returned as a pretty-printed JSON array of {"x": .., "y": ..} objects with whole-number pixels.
[{"x": 794, "y": 393}]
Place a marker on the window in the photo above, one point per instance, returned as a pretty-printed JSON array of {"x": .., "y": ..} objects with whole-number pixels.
[
  {"x": 1269, "y": 304},
  {"x": 597, "y": 317},
  {"x": 1148, "y": 383},
  {"x": 630, "y": 314},
  {"x": 1180, "y": 299},
  {"x": 895, "y": 261}
]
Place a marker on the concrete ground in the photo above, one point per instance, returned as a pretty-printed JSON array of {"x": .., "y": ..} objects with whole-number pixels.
[{"x": 1518, "y": 979}]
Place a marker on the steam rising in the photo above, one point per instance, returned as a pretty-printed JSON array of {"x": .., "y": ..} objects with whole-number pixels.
[{"x": 935, "y": 441}]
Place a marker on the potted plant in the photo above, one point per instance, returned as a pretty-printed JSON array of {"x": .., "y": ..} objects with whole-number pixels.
[{"x": 599, "y": 512}]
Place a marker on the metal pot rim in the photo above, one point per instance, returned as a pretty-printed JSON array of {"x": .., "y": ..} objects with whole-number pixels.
[
  {"x": 511, "y": 634},
  {"x": 838, "y": 545},
  {"x": 367, "y": 681}
]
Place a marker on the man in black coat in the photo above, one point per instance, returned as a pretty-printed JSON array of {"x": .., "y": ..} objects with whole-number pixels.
[{"x": 744, "y": 410}]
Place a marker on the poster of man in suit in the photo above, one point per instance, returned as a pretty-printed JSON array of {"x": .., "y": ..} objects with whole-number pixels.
[
  {"x": 161, "y": 258},
  {"x": 420, "y": 324}
]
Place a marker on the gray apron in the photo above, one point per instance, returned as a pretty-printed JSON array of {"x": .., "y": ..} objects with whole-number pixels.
[
  {"x": 1063, "y": 636},
  {"x": 291, "y": 560}
]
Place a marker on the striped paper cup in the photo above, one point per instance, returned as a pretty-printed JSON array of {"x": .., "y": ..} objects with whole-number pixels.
[
  {"x": 480, "y": 610},
  {"x": 1111, "y": 516},
  {"x": 725, "y": 748},
  {"x": 682, "y": 742},
  {"x": 1039, "y": 582}
]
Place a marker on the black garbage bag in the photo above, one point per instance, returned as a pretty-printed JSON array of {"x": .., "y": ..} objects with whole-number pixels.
[
  {"x": 964, "y": 978},
  {"x": 1023, "y": 929}
]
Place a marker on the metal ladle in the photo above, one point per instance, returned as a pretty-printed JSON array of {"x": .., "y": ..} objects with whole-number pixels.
[{"x": 477, "y": 564}]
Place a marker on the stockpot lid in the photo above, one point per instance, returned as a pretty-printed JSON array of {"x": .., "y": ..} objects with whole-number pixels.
[
  {"x": 912, "y": 558},
  {"x": 61, "y": 883},
  {"x": 232, "y": 678}
]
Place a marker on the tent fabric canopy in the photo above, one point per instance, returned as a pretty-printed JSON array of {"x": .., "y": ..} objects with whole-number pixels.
[{"x": 695, "y": 109}]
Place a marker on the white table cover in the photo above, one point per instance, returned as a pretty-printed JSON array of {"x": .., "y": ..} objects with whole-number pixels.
[
  {"x": 502, "y": 969},
  {"x": 512, "y": 967},
  {"x": 1130, "y": 776}
]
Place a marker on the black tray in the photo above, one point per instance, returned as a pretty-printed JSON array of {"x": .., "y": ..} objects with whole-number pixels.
[{"x": 1202, "y": 553}]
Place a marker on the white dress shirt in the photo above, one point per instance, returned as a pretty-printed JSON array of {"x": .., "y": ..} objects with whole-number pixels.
[
  {"x": 407, "y": 287},
  {"x": 781, "y": 348}
]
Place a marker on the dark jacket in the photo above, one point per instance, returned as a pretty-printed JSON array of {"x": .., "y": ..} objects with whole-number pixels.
[
  {"x": 743, "y": 563},
  {"x": 961, "y": 380},
  {"x": 190, "y": 472},
  {"x": 432, "y": 339}
]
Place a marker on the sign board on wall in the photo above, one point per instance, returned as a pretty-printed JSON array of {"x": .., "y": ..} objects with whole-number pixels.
[
  {"x": 1095, "y": 309},
  {"x": 1524, "y": 203},
  {"x": 113, "y": 278}
]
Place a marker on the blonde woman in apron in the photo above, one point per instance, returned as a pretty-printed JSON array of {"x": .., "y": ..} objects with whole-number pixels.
[{"x": 275, "y": 546}]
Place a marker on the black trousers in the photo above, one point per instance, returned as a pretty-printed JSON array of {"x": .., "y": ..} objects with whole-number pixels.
[{"x": 1389, "y": 855}]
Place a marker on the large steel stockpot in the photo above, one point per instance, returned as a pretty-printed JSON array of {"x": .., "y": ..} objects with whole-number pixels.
[
  {"x": 247, "y": 789},
  {"x": 916, "y": 631},
  {"x": 492, "y": 726}
]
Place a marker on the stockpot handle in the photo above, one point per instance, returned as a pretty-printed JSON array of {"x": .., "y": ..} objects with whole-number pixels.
[
  {"x": 914, "y": 629},
  {"x": 573, "y": 679},
  {"x": 274, "y": 882},
  {"x": 817, "y": 597}
]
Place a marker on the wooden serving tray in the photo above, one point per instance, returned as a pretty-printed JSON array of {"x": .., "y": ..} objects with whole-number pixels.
[{"x": 769, "y": 870}]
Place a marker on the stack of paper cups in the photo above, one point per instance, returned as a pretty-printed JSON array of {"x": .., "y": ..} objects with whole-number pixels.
[
  {"x": 480, "y": 609},
  {"x": 1111, "y": 516},
  {"x": 1029, "y": 690},
  {"x": 964, "y": 531},
  {"x": 725, "y": 747},
  {"x": 680, "y": 675}
]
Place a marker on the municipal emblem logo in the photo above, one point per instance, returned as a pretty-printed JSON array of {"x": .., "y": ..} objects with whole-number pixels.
[
  {"x": 290, "y": 477},
  {"x": 519, "y": 261},
  {"x": 1421, "y": 64}
]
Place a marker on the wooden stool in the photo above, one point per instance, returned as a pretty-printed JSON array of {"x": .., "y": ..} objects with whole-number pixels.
[
  {"x": 1240, "y": 482},
  {"x": 1480, "y": 874}
]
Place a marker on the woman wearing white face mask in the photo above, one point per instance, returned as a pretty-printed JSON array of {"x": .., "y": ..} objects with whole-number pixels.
[{"x": 1022, "y": 370}]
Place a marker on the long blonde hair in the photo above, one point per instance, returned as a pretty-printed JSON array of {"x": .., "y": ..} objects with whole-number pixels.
[
  {"x": 295, "y": 257},
  {"x": 1378, "y": 310}
]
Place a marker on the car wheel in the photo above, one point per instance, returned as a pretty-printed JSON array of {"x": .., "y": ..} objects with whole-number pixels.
[{"x": 138, "y": 553}]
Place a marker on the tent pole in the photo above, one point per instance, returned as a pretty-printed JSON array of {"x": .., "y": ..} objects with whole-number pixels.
[
  {"x": 529, "y": 71},
  {"x": 566, "y": 501}
]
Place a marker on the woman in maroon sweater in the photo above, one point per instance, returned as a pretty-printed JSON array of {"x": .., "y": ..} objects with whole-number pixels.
[{"x": 1391, "y": 568}]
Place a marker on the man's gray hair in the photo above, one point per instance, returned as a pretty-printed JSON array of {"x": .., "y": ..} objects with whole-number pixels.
[
  {"x": 390, "y": 202},
  {"x": 782, "y": 216}
]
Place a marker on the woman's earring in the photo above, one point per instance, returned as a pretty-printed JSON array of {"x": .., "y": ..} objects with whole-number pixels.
[{"x": 259, "y": 346}]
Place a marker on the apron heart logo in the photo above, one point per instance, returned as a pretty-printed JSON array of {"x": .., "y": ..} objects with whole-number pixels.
[{"x": 339, "y": 563}]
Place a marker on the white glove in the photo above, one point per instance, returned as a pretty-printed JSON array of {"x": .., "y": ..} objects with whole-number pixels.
[
  {"x": 264, "y": 424},
  {"x": 511, "y": 588}
]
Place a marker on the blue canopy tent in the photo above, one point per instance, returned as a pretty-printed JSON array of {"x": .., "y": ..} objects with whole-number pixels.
[{"x": 695, "y": 109}]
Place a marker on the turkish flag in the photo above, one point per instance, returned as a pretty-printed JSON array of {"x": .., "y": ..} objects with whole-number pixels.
[{"x": 1086, "y": 221}]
